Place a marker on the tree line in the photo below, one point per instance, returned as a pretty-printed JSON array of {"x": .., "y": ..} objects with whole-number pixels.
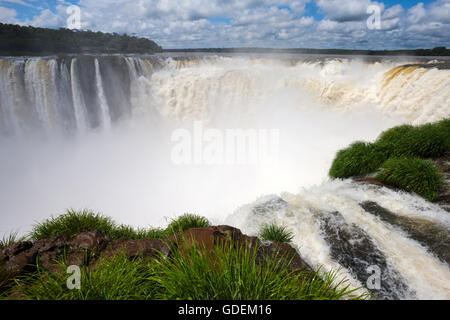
[
  {"x": 438, "y": 51},
  {"x": 27, "y": 40}
]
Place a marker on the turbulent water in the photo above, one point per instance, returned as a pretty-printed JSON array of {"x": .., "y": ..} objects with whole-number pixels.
[{"x": 97, "y": 132}]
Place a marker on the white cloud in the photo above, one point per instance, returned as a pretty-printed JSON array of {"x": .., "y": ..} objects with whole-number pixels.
[
  {"x": 8, "y": 15},
  {"x": 48, "y": 19},
  {"x": 277, "y": 23},
  {"x": 21, "y": 2},
  {"x": 346, "y": 10}
]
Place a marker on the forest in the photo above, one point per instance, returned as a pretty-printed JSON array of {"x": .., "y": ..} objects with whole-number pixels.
[{"x": 26, "y": 40}]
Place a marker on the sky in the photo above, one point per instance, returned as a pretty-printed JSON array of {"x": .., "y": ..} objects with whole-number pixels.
[{"x": 345, "y": 24}]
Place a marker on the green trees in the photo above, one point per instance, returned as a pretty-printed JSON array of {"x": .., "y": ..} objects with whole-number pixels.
[{"x": 21, "y": 40}]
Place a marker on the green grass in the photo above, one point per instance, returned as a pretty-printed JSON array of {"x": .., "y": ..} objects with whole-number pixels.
[
  {"x": 189, "y": 273},
  {"x": 273, "y": 232},
  {"x": 410, "y": 143},
  {"x": 358, "y": 159},
  {"x": 413, "y": 175},
  {"x": 185, "y": 222},
  {"x": 426, "y": 141},
  {"x": 114, "y": 278},
  {"x": 225, "y": 274},
  {"x": 74, "y": 222},
  {"x": 394, "y": 134},
  {"x": 231, "y": 274},
  {"x": 10, "y": 239}
]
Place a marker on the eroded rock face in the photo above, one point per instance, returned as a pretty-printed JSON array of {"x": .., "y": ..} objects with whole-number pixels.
[
  {"x": 430, "y": 234},
  {"x": 87, "y": 247},
  {"x": 137, "y": 248},
  {"x": 209, "y": 237},
  {"x": 284, "y": 251}
]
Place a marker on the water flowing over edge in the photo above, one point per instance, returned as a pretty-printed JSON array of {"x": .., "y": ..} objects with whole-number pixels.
[{"x": 73, "y": 95}]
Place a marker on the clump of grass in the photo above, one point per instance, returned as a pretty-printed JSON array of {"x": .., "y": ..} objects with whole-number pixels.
[
  {"x": 114, "y": 278},
  {"x": 153, "y": 233},
  {"x": 444, "y": 125},
  {"x": 413, "y": 175},
  {"x": 425, "y": 141},
  {"x": 394, "y": 134},
  {"x": 185, "y": 222},
  {"x": 358, "y": 159},
  {"x": 129, "y": 232},
  {"x": 226, "y": 273},
  {"x": 273, "y": 232},
  {"x": 9, "y": 239},
  {"x": 406, "y": 142},
  {"x": 231, "y": 274},
  {"x": 74, "y": 222}
]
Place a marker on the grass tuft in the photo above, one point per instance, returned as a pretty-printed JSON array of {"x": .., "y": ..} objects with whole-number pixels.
[
  {"x": 10, "y": 239},
  {"x": 74, "y": 222},
  {"x": 114, "y": 278},
  {"x": 185, "y": 222},
  {"x": 394, "y": 134},
  {"x": 397, "y": 152},
  {"x": 273, "y": 232},
  {"x": 413, "y": 175},
  {"x": 426, "y": 141},
  {"x": 227, "y": 273},
  {"x": 358, "y": 159},
  {"x": 230, "y": 274}
]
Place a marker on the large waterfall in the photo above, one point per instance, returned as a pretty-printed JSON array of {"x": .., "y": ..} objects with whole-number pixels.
[
  {"x": 96, "y": 132},
  {"x": 78, "y": 93}
]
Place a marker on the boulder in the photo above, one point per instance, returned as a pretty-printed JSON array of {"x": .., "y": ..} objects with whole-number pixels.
[
  {"x": 208, "y": 238},
  {"x": 92, "y": 241}
]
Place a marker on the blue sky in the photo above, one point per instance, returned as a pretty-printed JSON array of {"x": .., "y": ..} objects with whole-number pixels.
[{"x": 263, "y": 23}]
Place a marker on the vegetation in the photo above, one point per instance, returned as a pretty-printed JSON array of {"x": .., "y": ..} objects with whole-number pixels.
[
  {"x": 186, "y": 222},
  {"x": 21, "y": 40},
  {"x": 358, "y": 159},
  {"x": 114, "y": 278},
  {"x": 413, "y": 175},
  {"x": 397, "y": 153},
  {"x": 10, "y": 239},
  {"x": 426, "y": 141},
  {"x": 273, "y": 232},
  {"x": 225, "y": 274},
  {"x": 74, "y": 222},
  {"x": 190, "y": 272}
]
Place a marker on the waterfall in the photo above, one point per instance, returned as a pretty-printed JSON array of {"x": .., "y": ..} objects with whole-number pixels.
[
  {"x": 194, "y": 88},
  {"x": 332, "y": 229},
  {"x": 318, "y": 105},
  {"x": 105, "y": 117}
]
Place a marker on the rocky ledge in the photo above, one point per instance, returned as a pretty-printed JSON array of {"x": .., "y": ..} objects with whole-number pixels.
[{"x": 86, "y": 248}]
